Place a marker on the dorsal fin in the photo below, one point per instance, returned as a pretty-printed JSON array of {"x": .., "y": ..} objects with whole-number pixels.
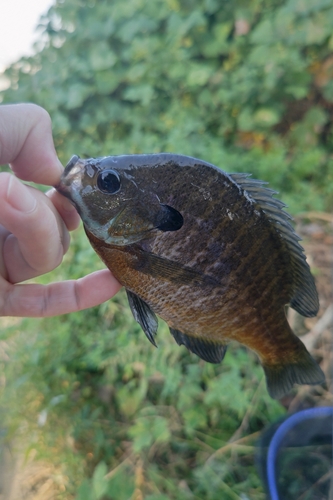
[{"x": 305, "y": 297}]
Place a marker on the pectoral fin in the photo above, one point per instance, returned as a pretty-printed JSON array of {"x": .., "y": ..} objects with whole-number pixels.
[
  {"x": 159, "y": 267},
  {"x": 144, "y": 315},
  {"x": 208, "y": 351}
]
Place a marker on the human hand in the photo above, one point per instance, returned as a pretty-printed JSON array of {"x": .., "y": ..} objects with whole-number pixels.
[{"x": 33, "y": 226}]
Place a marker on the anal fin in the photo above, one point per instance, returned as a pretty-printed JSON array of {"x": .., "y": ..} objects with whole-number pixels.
[
  {"x": 208, "y": 351},
  {"x": 144, "y": 315}
]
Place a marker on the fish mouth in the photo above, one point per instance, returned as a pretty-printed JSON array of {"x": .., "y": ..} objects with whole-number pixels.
[
  {"x": 71, "y": 164},
  {"x": 71, "y": 170}
]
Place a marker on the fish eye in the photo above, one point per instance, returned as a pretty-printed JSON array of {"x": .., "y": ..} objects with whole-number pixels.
[{"x": 108, "y": 182}]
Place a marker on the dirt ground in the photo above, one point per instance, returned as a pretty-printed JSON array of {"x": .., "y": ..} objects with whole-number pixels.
[
  {"x": 32, "y": 480},
  {"x": 316, "y": 231}
]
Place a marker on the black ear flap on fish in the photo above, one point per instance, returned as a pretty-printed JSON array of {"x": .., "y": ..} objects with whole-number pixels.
[
  {"x": 145, "y": 217},
  {"x": 144, "y": 315},
  {"x": 208, "y": 351},
  {"x": 169, "y": 219}
]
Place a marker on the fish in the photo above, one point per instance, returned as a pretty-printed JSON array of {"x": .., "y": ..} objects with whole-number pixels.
[{"x": 211, "y": 253}]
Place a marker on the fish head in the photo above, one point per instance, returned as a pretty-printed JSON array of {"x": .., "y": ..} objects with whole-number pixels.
[{"x": 115, "y": 199}]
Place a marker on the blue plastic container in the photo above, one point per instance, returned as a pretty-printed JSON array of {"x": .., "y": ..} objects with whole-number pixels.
[{"x": 297, "y": 462}]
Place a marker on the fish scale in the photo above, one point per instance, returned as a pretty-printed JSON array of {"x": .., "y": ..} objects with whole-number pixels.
[{"x": 211, "y": 253}]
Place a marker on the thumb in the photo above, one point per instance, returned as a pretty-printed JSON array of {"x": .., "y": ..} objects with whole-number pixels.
[{"x": 26, "y": 143}]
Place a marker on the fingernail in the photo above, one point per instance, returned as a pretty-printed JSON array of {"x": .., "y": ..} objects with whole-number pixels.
[
  {"x": 20, "y": 197},
  {"x": 60, "y": 170}
]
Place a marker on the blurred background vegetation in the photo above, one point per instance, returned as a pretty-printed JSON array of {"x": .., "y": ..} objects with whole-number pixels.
[{"x": 246, "y": 85}]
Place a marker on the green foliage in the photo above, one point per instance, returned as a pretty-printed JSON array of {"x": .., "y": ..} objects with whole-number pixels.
[
  {"x": 102, "y": 402},
  {"x": 241, "y": 86},
  {"x": 246, "y": 85}
]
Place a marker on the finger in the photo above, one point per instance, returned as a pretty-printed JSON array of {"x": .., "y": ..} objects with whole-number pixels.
[
  {"x": 26, "y": 143},
  {"x": 39, "y": 237},
  {"x": 58, "y": 298},
  {"x": 65, "y": 209}
]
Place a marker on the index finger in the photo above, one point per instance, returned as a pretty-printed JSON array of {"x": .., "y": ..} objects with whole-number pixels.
[
  {"x": 36, "y": 301},
  {"x": 26, "y": 143}
]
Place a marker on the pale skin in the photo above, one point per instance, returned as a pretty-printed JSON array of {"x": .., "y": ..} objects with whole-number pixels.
[{"x": 34, "y": 227}]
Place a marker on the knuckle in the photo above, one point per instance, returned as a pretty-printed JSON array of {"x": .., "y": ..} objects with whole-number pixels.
[{"x": 38, "y": 112}]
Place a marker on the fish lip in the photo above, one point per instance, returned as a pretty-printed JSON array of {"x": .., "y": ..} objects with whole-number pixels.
[
  {"x": 72, "y": 162},
  {"x": 63, "y": 187}
]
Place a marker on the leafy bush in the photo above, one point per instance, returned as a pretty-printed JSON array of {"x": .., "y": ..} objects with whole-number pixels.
[{"x": 247, "y": 86}]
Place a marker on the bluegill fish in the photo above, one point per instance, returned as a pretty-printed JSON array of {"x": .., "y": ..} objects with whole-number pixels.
[{"x": 211, "y": 253}]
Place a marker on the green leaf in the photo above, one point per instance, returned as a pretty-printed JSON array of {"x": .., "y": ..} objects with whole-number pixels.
[
  {"x": 245, "y": 119},
  {"x": 141, "y": 93},
  {"x": 198, "y": 75},
  {"x": 106, "y": 82},
  {"x": 101, "y": 56},
  {"x": 266, "y": 117},
  {"x": 148, "y": 430},
  {"x": 121, "y": 485},
  {"x": 194, "y": 419},
  {"x": 99, "y": 483},
  {"x": 85, "y": 491},
  {"x": 298, "y": 92},
  {"x": 77, "y": 93},
  {"x": 130, "y": 396},
  {"x": 157, "y": 496}
]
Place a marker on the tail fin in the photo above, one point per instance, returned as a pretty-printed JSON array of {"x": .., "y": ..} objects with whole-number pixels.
[{"x": 280, "y": 378}]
